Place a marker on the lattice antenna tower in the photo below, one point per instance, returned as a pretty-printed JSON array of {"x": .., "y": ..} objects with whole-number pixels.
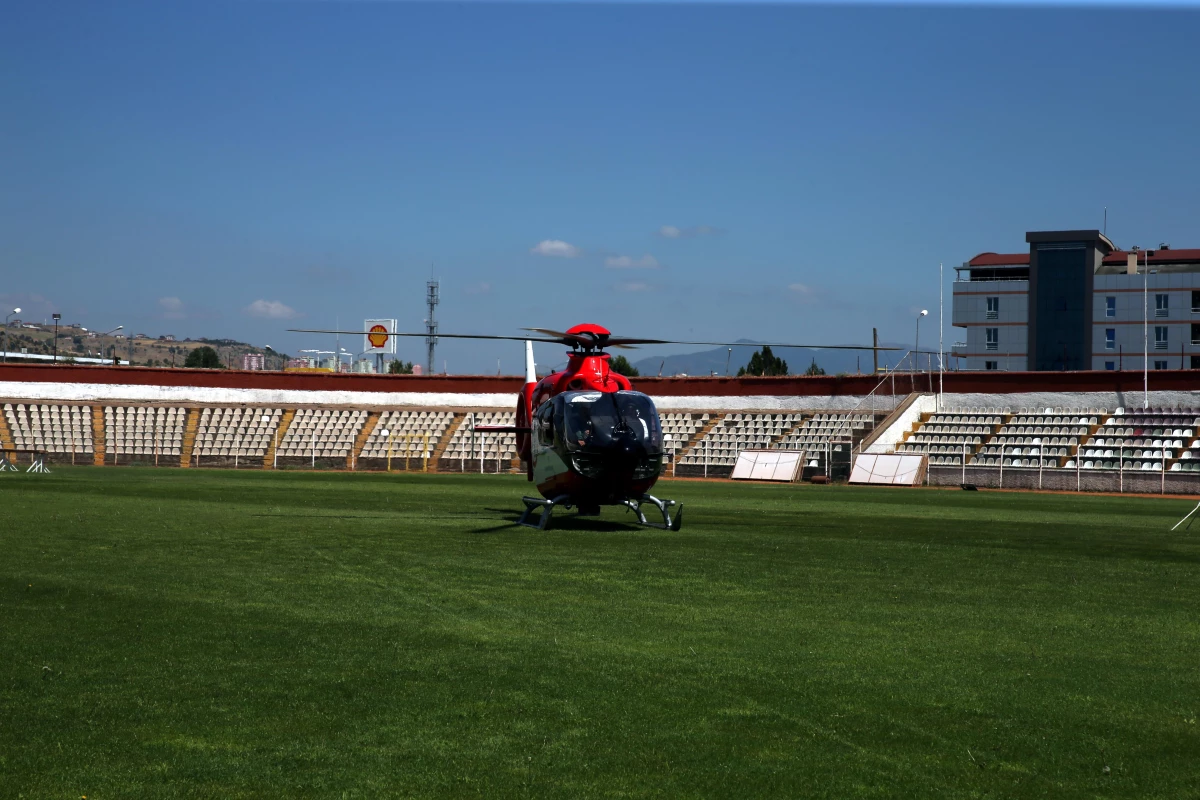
[{"x": 431, "y": 299}]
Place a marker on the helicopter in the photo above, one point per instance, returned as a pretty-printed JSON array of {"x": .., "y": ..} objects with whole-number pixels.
[{"x": 586, "y": 437}]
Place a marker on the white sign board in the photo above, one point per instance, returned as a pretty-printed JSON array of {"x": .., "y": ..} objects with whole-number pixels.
[
  {"x": 889, "y": 469},
  {"x": 768, "y": 465},
  {"x": 377, "y": 339}
]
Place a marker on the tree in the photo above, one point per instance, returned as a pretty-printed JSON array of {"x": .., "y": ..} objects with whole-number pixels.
[
  {"x": 764, "y": 362},
  {"x": 398, "y": 367},
  {"x": 814, "y": 369},
  {"x": 621, "y": 366},
  {"x": 203, "y": 358}
]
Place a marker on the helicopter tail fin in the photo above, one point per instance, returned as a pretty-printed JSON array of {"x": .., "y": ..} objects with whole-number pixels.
[{"x": 525, "y": 411}]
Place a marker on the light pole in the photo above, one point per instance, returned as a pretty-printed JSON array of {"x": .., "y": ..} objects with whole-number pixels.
[
  {"x": 114, "y": 345},
  {"x": 269, "y": 349},
  {"x": 6, "y": 319},
  {"x": 1146, "y": 333},
  {"x": 56, "y": 317},
  {"x": 917, "y": 344},
  {"x": 728, "y": 356}
]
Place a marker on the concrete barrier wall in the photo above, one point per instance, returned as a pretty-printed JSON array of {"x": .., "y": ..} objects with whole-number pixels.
[{"x": 1067, "y": 480}]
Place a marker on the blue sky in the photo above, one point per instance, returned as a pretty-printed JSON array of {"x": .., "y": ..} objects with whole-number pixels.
[{"x": 236, "y": 169}]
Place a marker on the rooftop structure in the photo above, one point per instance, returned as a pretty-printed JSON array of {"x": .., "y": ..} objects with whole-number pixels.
[{"x": 1075, "y": 301}]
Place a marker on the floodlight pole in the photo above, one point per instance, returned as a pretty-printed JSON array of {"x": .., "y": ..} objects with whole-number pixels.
[{"x": 57, "y": 317}]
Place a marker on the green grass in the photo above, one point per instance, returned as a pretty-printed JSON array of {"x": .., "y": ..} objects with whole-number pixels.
[{"x": 191, "y": 633}]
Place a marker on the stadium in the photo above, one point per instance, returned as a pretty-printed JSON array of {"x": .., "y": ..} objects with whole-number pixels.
[
  {"x": 416, "y": 547},
  {"x": 248, "y": 581}
]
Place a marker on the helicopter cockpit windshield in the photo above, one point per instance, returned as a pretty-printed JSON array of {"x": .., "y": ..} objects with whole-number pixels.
[{"x": 601, "y": 418}]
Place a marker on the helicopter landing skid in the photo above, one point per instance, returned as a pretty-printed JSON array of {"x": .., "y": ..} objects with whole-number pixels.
[
  {"x": 668, "y": 524},
  {"x": 542, "y": 522},
  {"x": 547, "y": 507}
]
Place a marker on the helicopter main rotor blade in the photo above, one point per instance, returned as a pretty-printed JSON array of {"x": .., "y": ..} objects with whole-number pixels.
[
  {"x": 436, "y": 335},
  {"x": 621, "y": 342},
  {"x": 626, "y": 340}
]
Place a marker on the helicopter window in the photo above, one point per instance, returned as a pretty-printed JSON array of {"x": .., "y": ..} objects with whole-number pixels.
[
  {"x": 545, "y": 420},
  {"x": 598, "y": 418}
]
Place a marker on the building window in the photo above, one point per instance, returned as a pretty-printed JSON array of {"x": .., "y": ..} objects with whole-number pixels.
[
  {"x": 991, "y": 365},
  {"x": 1161, "y": 305},
  {"x": 1195, "y": 362},
  {"x": 1110, "y": 306},
  {"x": 1195, "y": 301},
  {"x": 993, "y": 308},
  {"x": 993, "y": 338},
  {"x": 1160, "y": 365},
  {"x": 1160, "y": 337},
  {"x": 1110, "y": 365},
  {"x": 1110, "y": 338},
  {"x": 1195, "y": 333}
]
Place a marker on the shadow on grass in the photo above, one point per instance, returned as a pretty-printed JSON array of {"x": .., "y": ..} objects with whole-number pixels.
[{"x": 560, "y": 521}]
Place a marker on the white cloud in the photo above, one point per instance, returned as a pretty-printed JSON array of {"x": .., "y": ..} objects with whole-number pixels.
[
  {"x": 803, "y": 292},
  {"x": 696, "y": 231},
  {"x": 271, "y": 309},
  {"x": 172, "y": 308},
  {"x": 633, "y": 286},
  {"x": 556, "y": 248},
  {"x": 628, "y": 262},
  {"x": 478, "y": 288}
]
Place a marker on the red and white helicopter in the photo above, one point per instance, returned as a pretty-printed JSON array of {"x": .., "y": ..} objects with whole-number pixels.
[{"x": 587, "y": 439}]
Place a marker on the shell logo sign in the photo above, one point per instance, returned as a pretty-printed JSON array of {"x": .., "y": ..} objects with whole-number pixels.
[{"x": 377, "y": 336}]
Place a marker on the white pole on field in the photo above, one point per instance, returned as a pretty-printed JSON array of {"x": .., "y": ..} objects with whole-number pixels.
[{"x": 1185, "y": 519}]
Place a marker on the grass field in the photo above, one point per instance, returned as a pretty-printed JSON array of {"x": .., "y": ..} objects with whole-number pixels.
[{"x": 188, "y": 633}]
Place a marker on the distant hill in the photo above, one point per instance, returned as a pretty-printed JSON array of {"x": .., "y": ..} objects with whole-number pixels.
[
  {"x": 707, "y": 362},
  {"x": 141, "y": 352}
]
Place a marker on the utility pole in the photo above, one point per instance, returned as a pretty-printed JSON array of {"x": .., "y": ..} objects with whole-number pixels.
[
  {"x": 875, "y": 348},
  {"x": 431, "y": 299},
  {"x": 57, "y": 317}
]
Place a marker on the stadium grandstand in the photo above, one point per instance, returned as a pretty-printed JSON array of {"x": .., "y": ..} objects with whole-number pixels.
[{"x": 1095, "y": 430}]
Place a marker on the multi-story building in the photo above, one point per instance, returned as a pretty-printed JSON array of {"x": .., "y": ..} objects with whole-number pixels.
[{"x": 1075, "y": 302}]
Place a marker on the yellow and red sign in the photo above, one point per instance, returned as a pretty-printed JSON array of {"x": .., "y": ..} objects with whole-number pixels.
[{"x": 377, "y": 338}]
